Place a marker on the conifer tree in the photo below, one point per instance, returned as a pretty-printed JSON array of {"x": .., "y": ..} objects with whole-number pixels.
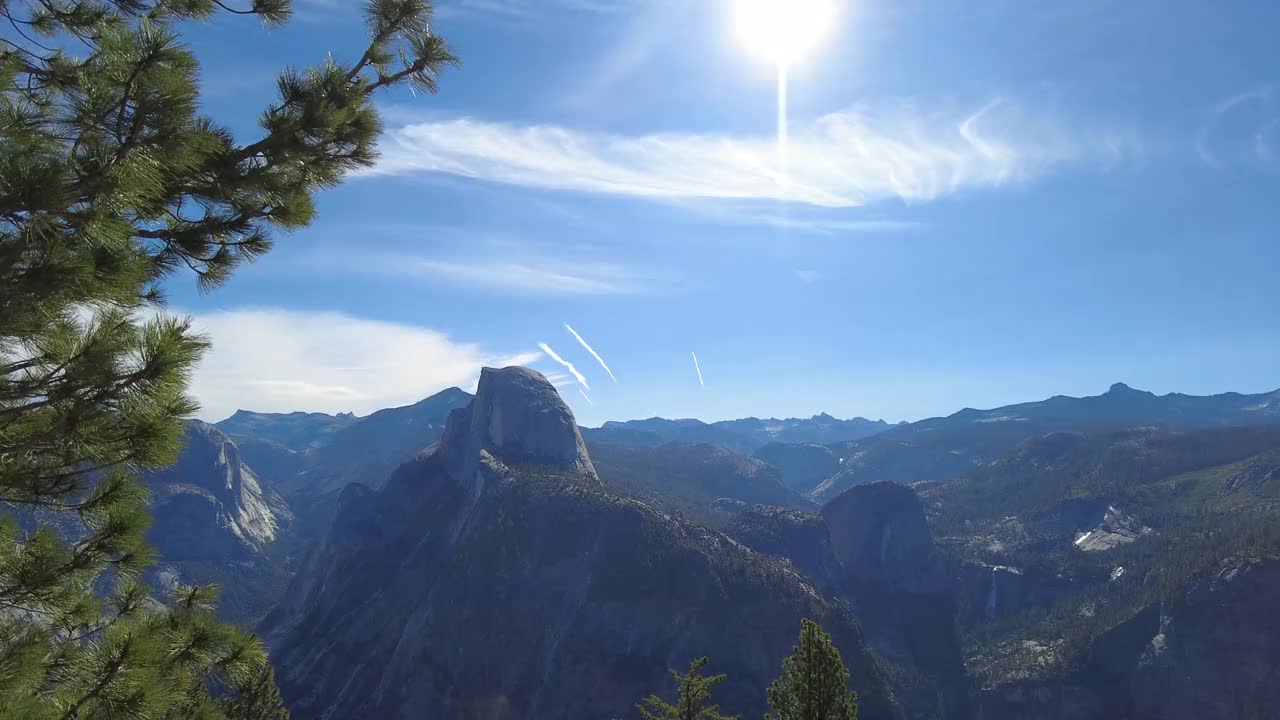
[
  {"x": 258, "y": 700},
  {"x": 692, "y": 699},
  {"x": 814, "y": 681},
  {"x": 111, "y": 183}
]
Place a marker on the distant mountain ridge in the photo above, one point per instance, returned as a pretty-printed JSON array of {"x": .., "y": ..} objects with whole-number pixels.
[
  {"x": 295, "y": 430},
  {"x": 1126, "y": 404},
  {"x": 745, "y": 435},
  {"x": 949, "y": 447}
]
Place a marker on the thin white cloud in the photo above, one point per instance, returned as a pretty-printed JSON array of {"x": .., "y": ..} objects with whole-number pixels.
[
  {"x": 820, "y": 221},
  {"x": 807, "y": 276},
  {"x": 276, "y": 360},
  {"x": 584, "y": 279},
  {"x": 526, "y": 274},
  {"x": 591, "y": 350},
  {"x": 585, "y": 396},
  {"x": 1216, "y": 145},
  {"x": 567, "y": 365},
  {"x": 845, "y": 159},
  {"x": 698, "y": 368}
]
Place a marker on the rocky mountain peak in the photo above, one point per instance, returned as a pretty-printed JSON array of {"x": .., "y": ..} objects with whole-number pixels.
[
  {"x": 879, "y": 533},
  {"x": 1123, "y": 389},
  {"x": 518, "y": 417}
]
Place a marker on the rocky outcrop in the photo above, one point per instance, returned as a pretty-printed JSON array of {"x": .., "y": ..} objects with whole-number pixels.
[
  {"x": 214, "y": 521},
  {"x": 519, "y": 418},
  {"x": 209, "y": 505},
  {"x": 495, "y": 577},
  {"x": 1254, "y": 477},
  {"x": 879, "y": 533},
  {"x": 1116, "y": 529},
  {"x": 803, "y": 466}
]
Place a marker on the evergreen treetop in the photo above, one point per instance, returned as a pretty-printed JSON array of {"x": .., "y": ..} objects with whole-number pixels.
[
  {"x": 814, "y": 681},
  {"x": 692, "y": 700}
]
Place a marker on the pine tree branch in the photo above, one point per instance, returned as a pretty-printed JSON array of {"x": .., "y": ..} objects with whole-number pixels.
[
  {"x": 114, "y": 669},
  {"x": 224, "y": 6}
]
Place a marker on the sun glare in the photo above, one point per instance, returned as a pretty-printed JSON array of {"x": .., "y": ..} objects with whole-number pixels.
[{"x": 782, "y": 32}]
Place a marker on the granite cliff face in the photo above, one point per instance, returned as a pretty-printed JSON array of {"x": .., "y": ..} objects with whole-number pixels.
[
  {"x": 872, "y": 547},
  {"x": 879, "y": 533},
  {"x": 214, "y": 521},
  {"x": 210, "y": 505},
  {"x": 516, "y": 417},
  {"x": 495, "y": 577}
]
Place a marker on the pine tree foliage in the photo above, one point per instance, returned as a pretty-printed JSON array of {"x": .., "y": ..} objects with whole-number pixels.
[
  {"x": 111, "y": 182},
  {"x": 814, "y": 681},
  {"x": 258, "y": 700},
  {"x": 692, "y": 702}
]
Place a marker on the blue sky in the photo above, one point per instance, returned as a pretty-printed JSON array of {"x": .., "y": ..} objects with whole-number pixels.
[{"x": 981, "y": 203}]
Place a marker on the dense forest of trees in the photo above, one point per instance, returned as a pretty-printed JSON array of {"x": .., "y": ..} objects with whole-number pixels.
[{"x": 111, "y": 184}]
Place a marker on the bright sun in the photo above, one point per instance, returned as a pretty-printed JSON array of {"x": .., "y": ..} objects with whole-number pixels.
[{"x": 782, "y": 31}]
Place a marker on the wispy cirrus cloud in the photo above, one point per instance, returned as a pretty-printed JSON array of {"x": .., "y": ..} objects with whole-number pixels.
[
  {"x": 820, "y": 221},
  {"x": 1242, "y": 129},
  {"x": 591, "y": 350},
  {"x": 567, "y": 365},
  {"x": 567, "y": 278},
  {"x": 519, "y": 272},
  {"x": 845, "y": 159},
  {"x": 279, "y": 360}
]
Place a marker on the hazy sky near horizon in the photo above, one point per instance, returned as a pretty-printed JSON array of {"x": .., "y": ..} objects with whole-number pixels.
[{"x": 980, "y": 203}]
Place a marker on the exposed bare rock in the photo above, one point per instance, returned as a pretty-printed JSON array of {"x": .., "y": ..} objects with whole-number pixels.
[
  {"x": 879, "y": 533},
  {"x": 1115, "y": 529},
  {"x": 210, "y": 505},
  {"x": 214, "y": 521},
  {"x": 519, "y": 418}
]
